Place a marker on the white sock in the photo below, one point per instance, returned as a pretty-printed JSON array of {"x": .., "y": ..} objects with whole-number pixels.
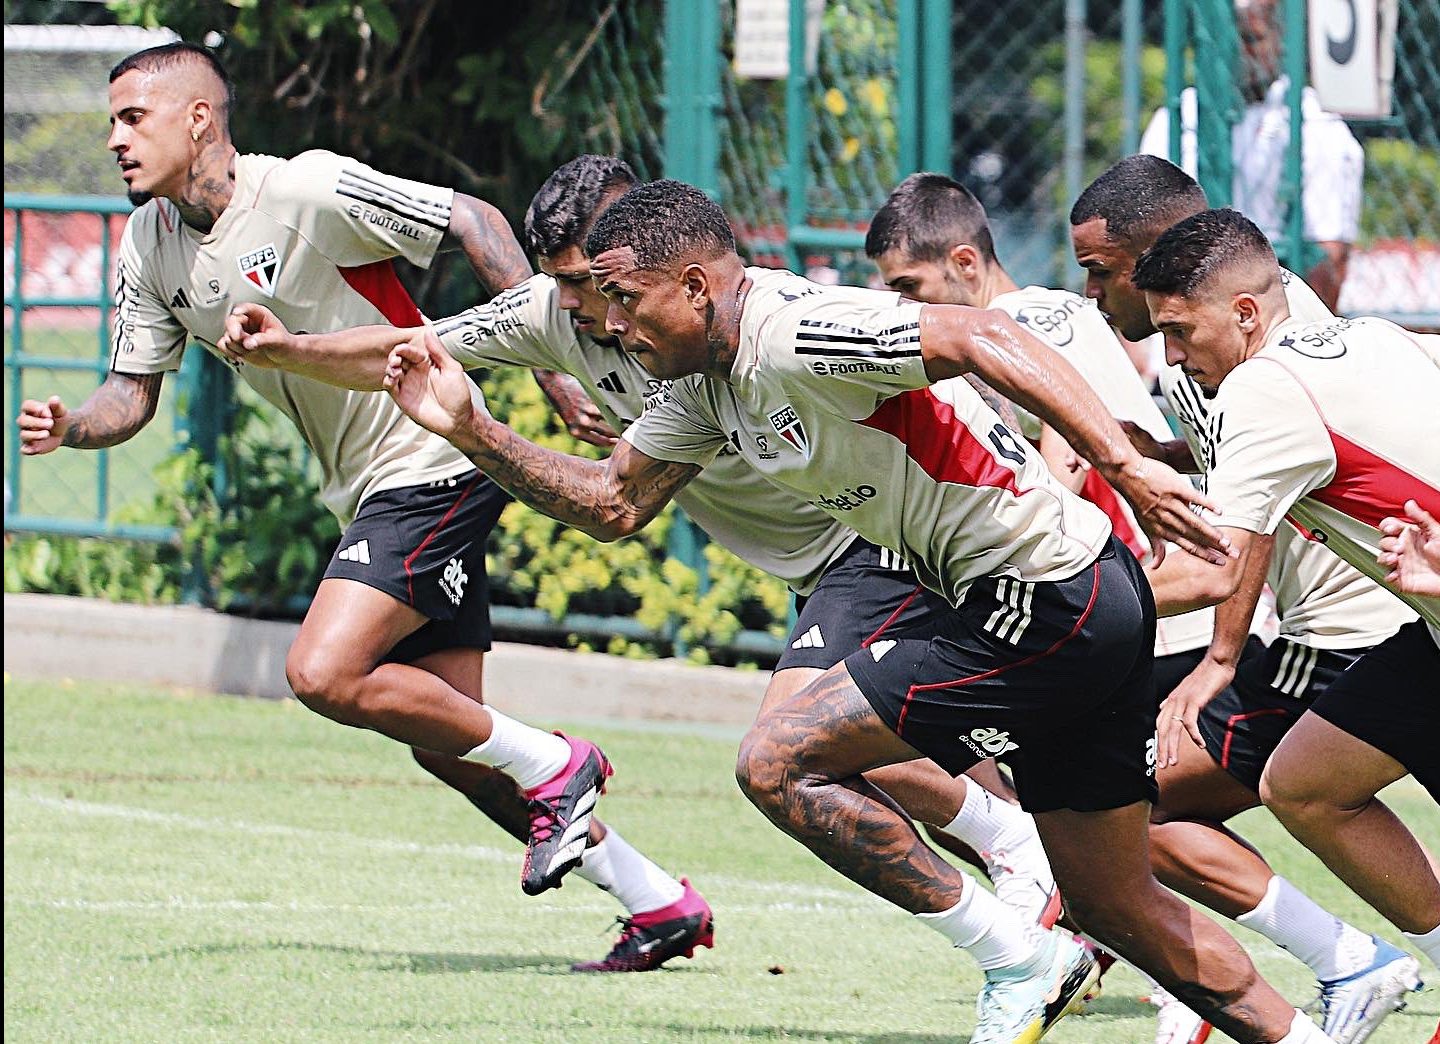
[
  {"x": 1293, "y": 921},
  {"x": 634, "y": 880},
  {"x": 987, "y": 824},
  {"x": 989, "y": 930},
  {"x": 1304, "y": 1031},
  {"x": 526, "y": 754},
  {"x": 1429, "y": 944}
]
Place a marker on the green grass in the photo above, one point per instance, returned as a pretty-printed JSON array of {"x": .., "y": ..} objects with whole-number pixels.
[{"x": 186, "y": 867}]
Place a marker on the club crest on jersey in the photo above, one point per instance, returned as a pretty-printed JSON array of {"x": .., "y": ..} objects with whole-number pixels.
[
  {"x": 260, "y": 268},
  {"x": 786, "y": 423}
]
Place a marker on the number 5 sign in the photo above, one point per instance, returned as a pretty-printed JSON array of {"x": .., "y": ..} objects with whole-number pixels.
[{"x": 1352, "y": 54}]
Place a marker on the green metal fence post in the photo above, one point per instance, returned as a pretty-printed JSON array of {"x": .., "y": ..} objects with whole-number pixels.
[
  {"x": 1130, "y": 31},
  {"x": 1177, "y": 19},
  {"x": 909, "y": 61},
  {"x": 1074, "y": 153},
  {"x": 797, "y": 135},
  {"x": 17, "y": 352},
  {"x": 693, "y": 102},
  {"x": 1217, "y": 51},
  {"x": 1292, "y": 189},
  {"x": 935, "y": 116}
]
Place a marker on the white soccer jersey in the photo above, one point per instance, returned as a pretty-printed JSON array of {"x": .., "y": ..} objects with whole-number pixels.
[
  {"x": 1074, "y": 327},
  {"x": 312, "y": 239},
  {"x": 1321, "y": 600},
  {"x": 1335, "y": 425},
  {"x": 828, "y": 397},
  {"x": 773, "y": 529}
]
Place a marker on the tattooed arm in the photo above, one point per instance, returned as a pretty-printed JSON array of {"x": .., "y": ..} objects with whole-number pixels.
[
  {"x": 116, "y": 410},
  {"x": 607, "y": 499},
  {"x": 482, "y": 232},
  {"x": 995, "y": 401}
]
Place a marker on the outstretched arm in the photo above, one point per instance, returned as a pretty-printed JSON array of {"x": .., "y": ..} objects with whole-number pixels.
[
  {"x": 956, "y": 341},
  {"x": 490, "y": 246},
  {"x": 607, "y": 499},
  {"x": 355, "y": 358},
  {"x": 115, "y": 411}
]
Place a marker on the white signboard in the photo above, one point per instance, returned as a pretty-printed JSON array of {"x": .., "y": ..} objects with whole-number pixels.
[
  {"x": 762, "y": 38},
  {"x": 1352, "y": 54}
]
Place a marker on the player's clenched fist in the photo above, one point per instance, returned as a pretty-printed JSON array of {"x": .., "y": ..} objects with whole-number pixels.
[
  {"x": 42, "y": 425},
  {"x": 254, "y": 336},
  {"x": 428, "y": 384}
]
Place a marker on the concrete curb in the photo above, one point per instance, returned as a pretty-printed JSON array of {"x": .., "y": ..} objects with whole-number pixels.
[{"x": 55, "y": 636}]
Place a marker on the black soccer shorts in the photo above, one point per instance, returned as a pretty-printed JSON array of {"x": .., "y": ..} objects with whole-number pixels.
[
  {"x": 866, "y": 593},
  {"x": 1055, "y": 677},
  {"x": 1390, "y": 698},
  {"x": 425, "y": 546}
]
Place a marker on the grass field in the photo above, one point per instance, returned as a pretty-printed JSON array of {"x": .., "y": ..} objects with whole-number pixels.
[{"x": 186, "y": 867}]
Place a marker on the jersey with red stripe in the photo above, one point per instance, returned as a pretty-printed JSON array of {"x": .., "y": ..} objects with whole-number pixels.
[
  {"x": 311, "y": 238},
  {"x": 1073, "y": 327},
  {"x": 828, "y": 397},
  {"x": 1335, "y": 425}
]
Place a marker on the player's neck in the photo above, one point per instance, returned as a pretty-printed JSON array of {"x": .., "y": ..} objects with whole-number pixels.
[
  {"x": 208, "y": 188},
  {"x": 724, "y": 332},
  {"x": 997, "y": 281}
]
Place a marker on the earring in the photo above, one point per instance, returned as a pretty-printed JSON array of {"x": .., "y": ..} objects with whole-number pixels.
[{"x": 194, "y": 135}]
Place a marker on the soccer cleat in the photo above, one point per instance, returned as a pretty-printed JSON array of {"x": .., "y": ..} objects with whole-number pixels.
[
  {"x": 1104, "y": 960},
  {"x": 1177, "y": 1024},
  {"x": 648, "y": 940},
  {"x": 560, "y": 812},
  {"x": 1023, "y": 881},
  {"x": 1351, "y": 1008},
  {"x": 1019, "y": 1005}
]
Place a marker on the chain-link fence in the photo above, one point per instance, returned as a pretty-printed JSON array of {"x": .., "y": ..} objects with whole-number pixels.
[{"x": 1349, "y": 197}]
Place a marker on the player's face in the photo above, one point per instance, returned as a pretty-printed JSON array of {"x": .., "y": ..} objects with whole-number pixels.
[
  {"x": 577, "y": 293},
  {"x": 1260, "y": 46},
  {"x": 652, "y": 314},
  {"x": 929, "y": 282},
  {"x": 150, "y": 135},
  {"x": 1108, "y": 266},
  {"x": 1202, "y": 335}
]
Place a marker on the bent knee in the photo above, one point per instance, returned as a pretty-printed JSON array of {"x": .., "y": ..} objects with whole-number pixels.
[
  {"x": 758, "y": 768},
  {"x": 321, "y": 682}
]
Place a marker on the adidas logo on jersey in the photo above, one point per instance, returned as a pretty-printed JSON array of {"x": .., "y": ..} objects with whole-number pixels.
[
  {"x": 611, "y": 382},
  {"x": 180, "y": 300},
  {"x": 356, "y": 552},
  {"x": 811, "y": 639}
]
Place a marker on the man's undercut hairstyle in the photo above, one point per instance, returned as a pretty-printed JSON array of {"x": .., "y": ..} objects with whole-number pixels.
[
  {"x": 1189, "y": 254},
  {"x": 662, "y": 221},
  {"x": 564, "y": 208},
  {"x": 926, "y": 217},
  {"x": 172, "y": 55},
  {"x": 1139, "y": 197}
]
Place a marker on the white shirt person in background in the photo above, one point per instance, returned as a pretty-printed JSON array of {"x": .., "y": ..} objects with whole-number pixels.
[{"x": 1333, "y": 162}]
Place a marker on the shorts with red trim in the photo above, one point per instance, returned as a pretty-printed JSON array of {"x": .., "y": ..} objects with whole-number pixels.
[
  {"x": 1390, "y": 699},
  {"x": 1054, "y": 678},
  {"x": 867, "y": 592},
  {"x": 1272, "y": 687},
  {"x": 425, "y": 546}
]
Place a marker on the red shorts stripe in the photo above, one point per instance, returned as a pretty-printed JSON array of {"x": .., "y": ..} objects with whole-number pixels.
[
  {"x": 893, "y": 616},
  {"x": 410, "y": 558},
  {"x": 1236, "y": 719}
]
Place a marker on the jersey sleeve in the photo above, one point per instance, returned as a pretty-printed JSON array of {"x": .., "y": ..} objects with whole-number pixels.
[
  {"x": 519, "y": 327},
  {"x": 682, "y": 426},
  {"x": 147, "y": 338},
  {"x": 1334, "y": 172},
  {"x": 846, "y": 354},
  {"x": 1271, "y": 447},
  {"x": 354, "y": 214}
]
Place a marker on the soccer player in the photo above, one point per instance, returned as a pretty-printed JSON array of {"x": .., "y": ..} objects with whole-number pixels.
[
  {"x": 395, "y": 636},
  {"x": 1238, "y": 695},
  {"x": 1333, "y": 424},
  {"x": 1046, "y": 657},
  {"x": 851, "y": 592}
]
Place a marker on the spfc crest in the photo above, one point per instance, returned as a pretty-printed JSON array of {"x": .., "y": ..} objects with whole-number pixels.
[
  {"x": 787, "y": 425},
  {"x": 260, "y": 268}
]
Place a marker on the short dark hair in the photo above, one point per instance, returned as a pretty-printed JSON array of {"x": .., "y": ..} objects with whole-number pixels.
[
  {"x": 1190, "y": 253},
  {"x": 565, "y": 207},
  {"x": 662, "y": 221},
  {"x": 1138, "y": 197},
  {"x": 168, "y": 56},
  {"x": 926, "y": 216}
]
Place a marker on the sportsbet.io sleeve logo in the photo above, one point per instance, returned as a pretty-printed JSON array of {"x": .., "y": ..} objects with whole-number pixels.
[{"x": 260, "y": 268}]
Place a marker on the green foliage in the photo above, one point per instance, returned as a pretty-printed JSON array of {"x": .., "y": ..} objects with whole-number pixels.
[
  {"x": 41, "y": 154},
  {"x": 1402, "y": 192}
]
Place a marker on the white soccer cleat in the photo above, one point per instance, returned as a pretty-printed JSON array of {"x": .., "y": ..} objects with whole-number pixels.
[
  {"x": 1019, "y": 1005},
  {"x": 1351, "y": 1008},
  {"x": 1176, "y": 1023}
]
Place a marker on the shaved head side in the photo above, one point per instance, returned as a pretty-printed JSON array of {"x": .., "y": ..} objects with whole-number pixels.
[
  {"x": 1138, "y": 198},
  {"x": 1213, "y": 250},
  {"x": 203, "y": 75}
]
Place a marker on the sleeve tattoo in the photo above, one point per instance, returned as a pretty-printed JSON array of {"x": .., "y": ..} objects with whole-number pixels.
[{"x": 119, "y": 408}]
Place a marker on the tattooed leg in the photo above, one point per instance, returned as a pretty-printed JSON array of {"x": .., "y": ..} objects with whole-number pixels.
[
  {"x": 1118, "y": 901},
  {"x": 801, "y": 765}
]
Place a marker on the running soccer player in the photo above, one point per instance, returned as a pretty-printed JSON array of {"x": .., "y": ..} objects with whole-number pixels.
[
  {"x": 1046, "y": 657},
  {"x": 851, "y": 592},
  {"x": 395, "y": 636},
  {"x": 1331, "y": 424},
  {"x": 1240, "y": 696}
]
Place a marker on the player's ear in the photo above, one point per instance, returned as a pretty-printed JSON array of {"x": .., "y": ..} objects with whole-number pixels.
[
  {"x": 202, "y": 117},
  {"x": 966, "y": 260},
  {"x": 696, "y": 282},
  {"x": 1247, "y": 312}
]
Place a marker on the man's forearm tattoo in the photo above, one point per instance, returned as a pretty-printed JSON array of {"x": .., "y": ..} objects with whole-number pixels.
[
  {"x": 117, "y": 410},
  {"x": 995, "y": 401}
]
